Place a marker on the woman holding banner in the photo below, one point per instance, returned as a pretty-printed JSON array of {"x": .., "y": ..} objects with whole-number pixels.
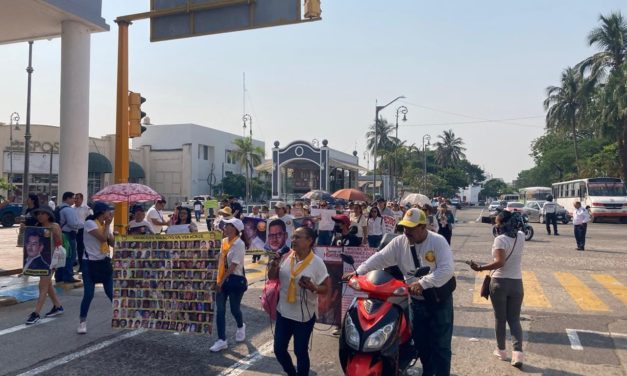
[
  {"x": 185, "y": 218},
  {"x": 231, "y": 282},
  {"x": 303, "y": 275},
  {"x": 33, "y": 243}
]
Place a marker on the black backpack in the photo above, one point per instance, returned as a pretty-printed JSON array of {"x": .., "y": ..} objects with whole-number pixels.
[{"x": 57, "y": 214}]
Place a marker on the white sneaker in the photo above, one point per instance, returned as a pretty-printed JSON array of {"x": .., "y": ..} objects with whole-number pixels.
[
  {"x": 501, "y": 354},
  {"x": 82, "y": 328},
  {"x": 240, "y": 334},
  {"x": 219, "y": 345}
]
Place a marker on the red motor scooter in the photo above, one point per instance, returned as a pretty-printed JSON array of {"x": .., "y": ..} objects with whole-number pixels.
[{"x": 376, "y": 333}]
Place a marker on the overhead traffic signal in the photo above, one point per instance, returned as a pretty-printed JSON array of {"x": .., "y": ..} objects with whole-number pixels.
[{"x": 135, "y": 114}]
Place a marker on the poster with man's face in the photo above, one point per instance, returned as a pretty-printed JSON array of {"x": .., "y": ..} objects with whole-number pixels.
[
  {"x": 37, "y": 251},
  {"x": 276, "y": 236},
  {"x": 254, "y": 234}
]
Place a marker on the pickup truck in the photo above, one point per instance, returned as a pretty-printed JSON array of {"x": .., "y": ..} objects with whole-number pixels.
[{"x": 9, "y": 213}]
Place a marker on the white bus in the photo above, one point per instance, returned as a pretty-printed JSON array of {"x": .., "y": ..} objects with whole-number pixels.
[
  {"x": 606, "y": 197},
  {"x": 509, "y": 197},
  {"x": 534, "y": 193}
]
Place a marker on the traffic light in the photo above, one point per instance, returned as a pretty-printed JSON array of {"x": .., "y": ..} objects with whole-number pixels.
[
  {"x": 312, "y": 9},
  {"x": 135, "y": 114}
]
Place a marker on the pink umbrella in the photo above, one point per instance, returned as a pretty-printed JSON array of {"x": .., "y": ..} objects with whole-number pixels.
[{"x": 126, "y": 192}]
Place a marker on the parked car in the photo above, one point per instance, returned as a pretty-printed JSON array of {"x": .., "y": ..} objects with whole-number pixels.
[
  {"x": 514, "y": 206},
  {"x": 9, "y": 212},
  {"x": 456, "y": 203},
  {"x": 533, "y": 209},
  {"x": 496, "y": 205}
]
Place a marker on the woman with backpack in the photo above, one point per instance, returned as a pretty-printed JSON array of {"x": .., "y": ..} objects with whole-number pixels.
[{"x": 96, "y": 263}]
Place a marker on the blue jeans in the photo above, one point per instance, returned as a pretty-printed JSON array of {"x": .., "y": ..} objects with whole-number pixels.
[
  {"x": 197, "y": 212},
  {"x": 235, "y": 300},
  {"x": 66, "y": 273},
  {"x": 324, "y": 238},
  {"x": 374, "y": 240},
  {"x": 88, "y": 289},
  {"x": 432, "y": 332},
  {"x": 283, "y": 332}
]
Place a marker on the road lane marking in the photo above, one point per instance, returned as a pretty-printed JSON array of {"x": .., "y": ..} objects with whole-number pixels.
[
  {"x": 68, "y": 358},
  {"x": 24, "y": 326},
  {"x": 581, "y": 294},
  {"x": 476, "y": 296},
  {"x": 254, "y": 271},
  {"x": 610, "y": 283},
  {"x": 575, "y": 343},
  {"x": 247, "y": 362},
  {"x": 534, "y": 294}
]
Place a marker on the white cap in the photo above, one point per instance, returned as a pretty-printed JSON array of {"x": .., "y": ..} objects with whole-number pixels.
[{"x": 235, "y": 222}]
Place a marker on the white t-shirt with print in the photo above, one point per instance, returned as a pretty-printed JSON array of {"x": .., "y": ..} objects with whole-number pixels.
[
  {"x": 513, "y": 266},
  {"x": 300, "y": 311}
]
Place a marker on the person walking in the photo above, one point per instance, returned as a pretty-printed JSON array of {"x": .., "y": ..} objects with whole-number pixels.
[
  {"x": 506, "y": 286},
  {"x": 33, "y": 244},
  {"x": 549, "y": 211},
  {"x": 70, "y": 223},
  {"x": 231, "y": 283},
  {"x": 302, "y": 276},
  {"x": 82, "y": 212},
  {"x": 197, "y": 209},
  {"x": 581, "y": 217},
  {"x": 375, "y": 227},
  {"x": 446, "y": 220},
  {"x": 96, "y": 263}
]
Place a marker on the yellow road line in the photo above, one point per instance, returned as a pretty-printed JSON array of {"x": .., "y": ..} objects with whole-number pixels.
[
  {"x": 616, "y": 288},
  {"x": 476, "y": 295},
  {"x": 534, "y": 295},
  {"x": 581, "y": 294}
]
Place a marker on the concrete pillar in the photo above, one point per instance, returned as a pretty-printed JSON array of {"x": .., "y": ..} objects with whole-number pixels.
[{"x": 74, "y": 140}]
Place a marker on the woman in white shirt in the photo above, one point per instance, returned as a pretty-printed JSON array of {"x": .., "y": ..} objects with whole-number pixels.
[
  {"x": 302, "y": 276},
  {"x": 231, "y": 283},
  {"x": 506, "y": 286},
  {"x": 375, "y": 227},
  {"x": 358, "y": 219}
]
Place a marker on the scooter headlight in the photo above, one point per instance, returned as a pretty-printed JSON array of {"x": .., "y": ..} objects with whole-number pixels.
[
  {"x": 351, "y": 333},
  {"x": 379, "y": 338}
]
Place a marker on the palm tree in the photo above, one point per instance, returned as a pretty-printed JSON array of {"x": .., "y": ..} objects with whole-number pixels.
[
  {"x": 382, "y": 135},
  {"x": 248, "y": 156},
  {"x": 608, "y": 67},
  {"x": 450, "y": 150},
  {"x": 565, "y": 105}
]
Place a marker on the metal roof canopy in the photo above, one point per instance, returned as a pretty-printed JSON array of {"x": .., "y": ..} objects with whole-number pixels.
[
  {"x": 221, "y": 17},
  {"x": 24, "y": 20}
]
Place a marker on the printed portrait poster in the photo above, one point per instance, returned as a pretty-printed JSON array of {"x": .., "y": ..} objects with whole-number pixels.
[
  {"x": 389, "y": 224},
  {"x": 326, "y": 222},
  {"x": 37, "y": 251},
  {"x": 330, "y": 304},
  {"x": 276, "y": 236},
  {"x": 254, "y": 234},
  {"x": 165, "y": 282}
]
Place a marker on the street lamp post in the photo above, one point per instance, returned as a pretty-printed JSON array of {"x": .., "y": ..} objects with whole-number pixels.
[
  {"x": 15, "y": 117},
  {"x": 424, "y": 152},
  {"x": 376, "y": 141},
  {"x": 27, "y": 135},
  {"x": 249, "y": 174},
  {"x": 400, "y": 110}
]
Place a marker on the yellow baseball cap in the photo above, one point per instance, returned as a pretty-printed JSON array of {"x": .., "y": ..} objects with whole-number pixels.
[{"x": 413, "y": 217}]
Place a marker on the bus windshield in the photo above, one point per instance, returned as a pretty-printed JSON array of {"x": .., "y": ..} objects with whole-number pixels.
[{"x": 606, "y": 189}]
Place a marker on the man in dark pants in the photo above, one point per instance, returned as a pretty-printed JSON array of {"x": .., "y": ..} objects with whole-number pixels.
[
  {"x": 69, "y": 223},
  {"x": 581, "y": 217},
  {"x": 549, "y": 210}
]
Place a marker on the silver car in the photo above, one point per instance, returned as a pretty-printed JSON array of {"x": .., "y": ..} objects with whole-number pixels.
[{"x": 533, "y": 209}]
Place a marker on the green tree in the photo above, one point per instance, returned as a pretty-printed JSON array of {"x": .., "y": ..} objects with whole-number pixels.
[
  {"x": 248, "y": 156},
  {"x": 474, "y": 172},
  {"x": 449, "y": 151},
  {"x": 232, "y": 184},
  {"x": 493, "y": 188}
]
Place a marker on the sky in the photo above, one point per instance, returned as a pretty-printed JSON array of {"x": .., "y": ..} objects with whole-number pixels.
[{"x": 479, "y": 68}]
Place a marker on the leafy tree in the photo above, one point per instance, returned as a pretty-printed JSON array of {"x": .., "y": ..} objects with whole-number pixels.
[
  {"x": 248, "y": 156},
  {"x": 449, "y": 151},
  {"x": 475, "y": 173},
  {"x": 233, "y": 184},
  {"x": 493, "y": 188}
]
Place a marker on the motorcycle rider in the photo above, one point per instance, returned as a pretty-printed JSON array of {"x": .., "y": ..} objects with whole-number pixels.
[
  {"x": 549, "y": 211},
  {"x": 432, "y": 322}
]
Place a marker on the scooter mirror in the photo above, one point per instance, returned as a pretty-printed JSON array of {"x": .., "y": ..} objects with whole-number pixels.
[
  {"x": 347, "y": 259},
  {"x": 422, "y": 271}
]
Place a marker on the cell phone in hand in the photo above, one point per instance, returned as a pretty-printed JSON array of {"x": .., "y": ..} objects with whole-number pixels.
[{"x": 305, "y": 279}]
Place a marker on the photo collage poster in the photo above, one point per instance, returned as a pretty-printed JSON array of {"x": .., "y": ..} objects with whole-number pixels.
[
  {"x": 37, "y": 251},
  {"x": 165, "y": 282}
]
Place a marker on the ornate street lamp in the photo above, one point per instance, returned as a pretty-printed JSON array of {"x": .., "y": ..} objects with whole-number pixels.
[
  {"x": 424, "y": 152},
  {"x": 400, "y": 110},
  {"x": 376, "y": 141},
  {"x": 14, "y": 118}
]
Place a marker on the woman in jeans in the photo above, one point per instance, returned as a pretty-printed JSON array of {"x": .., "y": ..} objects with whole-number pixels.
[
  {"x": 302, "y": 276},
  {"x": 230, "y": 264},
  {"x": 506, "y": 287},
  {"x": 375, "y": 227},
  {"x": 97, "y": 237}
]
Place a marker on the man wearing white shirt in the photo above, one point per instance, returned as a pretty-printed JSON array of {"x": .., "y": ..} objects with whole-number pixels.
[
  {"x": 82, "y": 212},
  {"x": 581, "y": 217},
  {"x": 155, "y": 216}
]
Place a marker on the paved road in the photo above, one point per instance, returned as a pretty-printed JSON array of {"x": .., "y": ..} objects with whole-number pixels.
[{"x": 574, "y": 321}]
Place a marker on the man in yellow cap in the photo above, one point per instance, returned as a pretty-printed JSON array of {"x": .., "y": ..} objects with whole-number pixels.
[{"x": 432, "y": 295}]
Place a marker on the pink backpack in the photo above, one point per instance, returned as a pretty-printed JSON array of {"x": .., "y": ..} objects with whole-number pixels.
[{"x": 270, "y": 297}]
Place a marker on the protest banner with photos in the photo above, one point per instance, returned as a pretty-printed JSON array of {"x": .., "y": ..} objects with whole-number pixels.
[
  {"x": 333, "y": 305},
  {"x": 254, "y": 235},
  {"x": 37, "y": 251},
  {"x": 165, "y": 282},
  {"x": 389, "y": 224}
]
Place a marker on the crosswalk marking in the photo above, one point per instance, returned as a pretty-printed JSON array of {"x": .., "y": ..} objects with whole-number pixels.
[
  {"x": 581, "y": 294},
  {"x": 610, "y": 283},
  {"x": 476, "y": 295},
  {"x": 534, "y": 294}
]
